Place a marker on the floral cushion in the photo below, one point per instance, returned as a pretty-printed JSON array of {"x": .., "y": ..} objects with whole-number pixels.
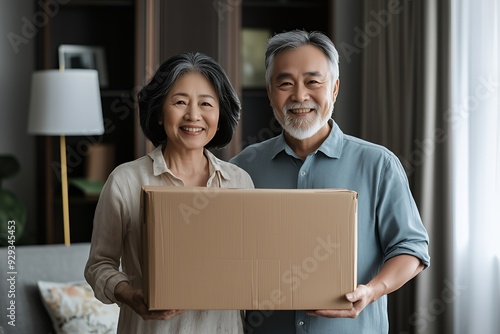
[{"x": 74, "y": 309}]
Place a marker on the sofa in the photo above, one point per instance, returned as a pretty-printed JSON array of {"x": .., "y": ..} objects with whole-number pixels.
[{"x": 20, "y": 284}]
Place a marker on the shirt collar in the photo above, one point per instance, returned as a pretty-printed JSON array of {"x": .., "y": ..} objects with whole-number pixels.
[
  {"x": 215, "y": 166},
  {"x": 160, "y": 166},
  {"x": 331, "y": 147}
]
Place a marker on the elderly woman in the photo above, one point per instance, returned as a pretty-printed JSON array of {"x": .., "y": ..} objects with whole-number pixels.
[{"x": 188, "y": 107}]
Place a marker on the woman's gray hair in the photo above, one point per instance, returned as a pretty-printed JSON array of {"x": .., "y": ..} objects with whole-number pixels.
[{"x": 295, "y": 39}]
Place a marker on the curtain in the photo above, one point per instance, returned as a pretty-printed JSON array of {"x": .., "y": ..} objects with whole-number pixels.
[
  {"x": 475, "y": 171},
  {"x": 405, "y": 92},
  {"x": 430, "y": 94}
]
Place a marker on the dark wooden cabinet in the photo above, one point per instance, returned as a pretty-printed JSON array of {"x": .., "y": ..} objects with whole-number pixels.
[{"x": 110, "y": 25}]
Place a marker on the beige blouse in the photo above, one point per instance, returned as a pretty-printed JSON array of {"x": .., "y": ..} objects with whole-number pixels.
[{"x": 116, "y": 236}]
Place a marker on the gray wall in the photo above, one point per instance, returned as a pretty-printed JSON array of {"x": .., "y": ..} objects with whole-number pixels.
[{"x": 16, "y": 66}]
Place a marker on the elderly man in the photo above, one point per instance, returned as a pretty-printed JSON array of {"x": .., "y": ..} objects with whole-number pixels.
[{"x": 302, "y": 79}]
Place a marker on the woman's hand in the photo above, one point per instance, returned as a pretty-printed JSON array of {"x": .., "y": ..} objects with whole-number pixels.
[{"x": 135, "y": 300}]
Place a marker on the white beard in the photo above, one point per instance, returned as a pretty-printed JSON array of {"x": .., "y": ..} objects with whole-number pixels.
[{"x": 302, "y": 128}]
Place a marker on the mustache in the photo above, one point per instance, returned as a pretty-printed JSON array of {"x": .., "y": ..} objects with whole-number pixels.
[{"x": 302, "y": 105}]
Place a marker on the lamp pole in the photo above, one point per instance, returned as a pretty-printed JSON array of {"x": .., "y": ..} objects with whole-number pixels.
[{"x": 64, "y": 184}]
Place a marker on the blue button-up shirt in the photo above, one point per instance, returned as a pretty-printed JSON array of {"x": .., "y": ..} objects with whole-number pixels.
[{"x": 389, "y": 223}]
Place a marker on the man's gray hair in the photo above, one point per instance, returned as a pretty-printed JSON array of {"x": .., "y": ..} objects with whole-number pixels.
[{"x": 297, "y": 38}]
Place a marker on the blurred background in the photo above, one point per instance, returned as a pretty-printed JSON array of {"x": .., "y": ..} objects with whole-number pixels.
[{"x": 419, "y": 77}]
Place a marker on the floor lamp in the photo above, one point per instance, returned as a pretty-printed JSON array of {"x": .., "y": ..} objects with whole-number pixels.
[{"x": 65, "y": 103}]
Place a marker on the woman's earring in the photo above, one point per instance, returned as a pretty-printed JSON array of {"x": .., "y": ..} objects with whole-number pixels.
[{"x": 160, "y": 122}]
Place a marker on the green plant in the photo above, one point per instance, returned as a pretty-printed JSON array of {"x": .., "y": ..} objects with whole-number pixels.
[{"x": 12, "y": 211}]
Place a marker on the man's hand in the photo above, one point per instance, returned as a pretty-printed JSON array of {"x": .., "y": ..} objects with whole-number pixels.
[
  {"x": 135, "y": 299},
  {"x": 362, "y": 296},
  {"x": 394, "y": 274}
]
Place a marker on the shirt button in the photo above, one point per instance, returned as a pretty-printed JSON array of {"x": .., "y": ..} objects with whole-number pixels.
[
  {"x": 301, "y": 323},
  {"x": 302, "y": 173}
]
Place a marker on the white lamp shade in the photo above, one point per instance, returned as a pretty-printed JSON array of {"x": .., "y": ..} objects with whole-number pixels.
[{"x": 65, "y": 103}]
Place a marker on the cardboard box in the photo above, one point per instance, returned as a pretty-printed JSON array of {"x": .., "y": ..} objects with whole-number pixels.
[{"x": 267, "y": 249}]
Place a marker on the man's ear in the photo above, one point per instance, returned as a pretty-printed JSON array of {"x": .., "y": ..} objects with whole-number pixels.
[{"x": 336, "y": 89}]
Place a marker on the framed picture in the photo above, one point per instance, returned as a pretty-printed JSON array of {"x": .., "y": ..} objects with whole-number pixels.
[
  {"x": 87, "y": 57},
  {"x": 253, "y": 49}
]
